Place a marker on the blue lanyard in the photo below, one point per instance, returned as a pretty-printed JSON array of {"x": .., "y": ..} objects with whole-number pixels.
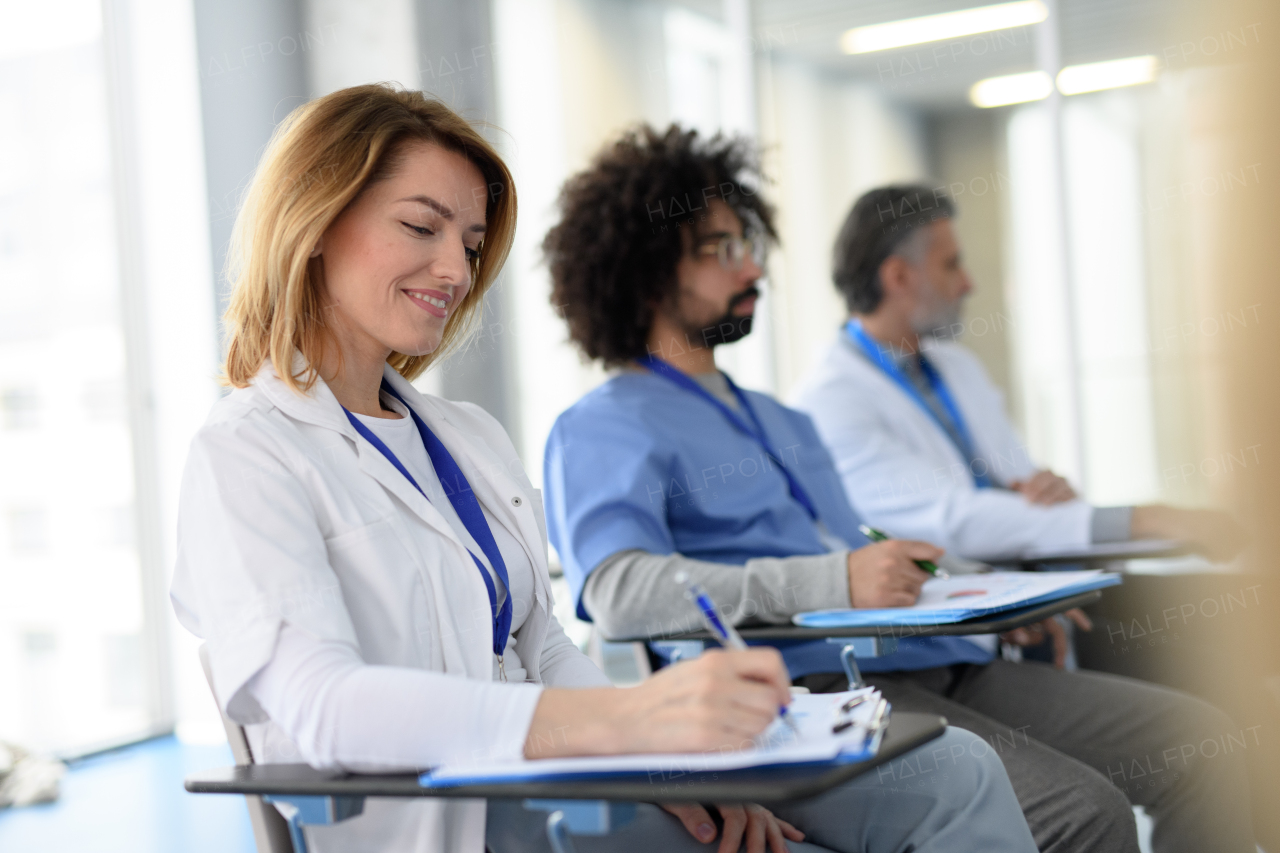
[
  {"x": 875, "y": 352},
  {"x": 665, "y": 370},
  {"x": 464, "y": 503}
]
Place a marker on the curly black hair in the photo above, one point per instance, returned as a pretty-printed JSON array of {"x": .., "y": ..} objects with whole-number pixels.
[{"x": 614, "y": 252}]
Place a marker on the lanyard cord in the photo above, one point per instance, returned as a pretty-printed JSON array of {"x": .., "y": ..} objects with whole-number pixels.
[
  {"x": 673, "y": 374},
  {"x": 961, "y": 437},
  {"x": 464, "y": 503}
]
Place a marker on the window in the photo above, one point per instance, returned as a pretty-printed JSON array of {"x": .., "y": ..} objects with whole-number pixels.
[
  {"x": 28, "y": 531},
  {"x": 21, "y": 408},
  {"x": 71, "y": 611}
]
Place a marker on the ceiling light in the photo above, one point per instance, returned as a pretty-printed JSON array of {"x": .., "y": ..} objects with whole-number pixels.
[
  {"x": 1096, "y": 76},
  {"x": 965, "y": 22},
  {"x": 1072, "y": 80},
  {"x": 1011, "y": 89}
]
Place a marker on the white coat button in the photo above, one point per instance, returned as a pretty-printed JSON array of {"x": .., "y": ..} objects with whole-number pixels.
[{"x": 516, "y": 501}]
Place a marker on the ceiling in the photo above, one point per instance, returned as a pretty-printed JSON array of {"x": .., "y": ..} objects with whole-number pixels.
[{"x": 937, "y": 76}]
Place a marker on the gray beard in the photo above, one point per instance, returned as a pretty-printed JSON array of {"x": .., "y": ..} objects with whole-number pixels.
[{"x": 940, "y": 321}]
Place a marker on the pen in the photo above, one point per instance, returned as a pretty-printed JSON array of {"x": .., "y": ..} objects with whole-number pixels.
[
  {"x": 721, "y": 630},
  {"x": 927, "y": 565}
]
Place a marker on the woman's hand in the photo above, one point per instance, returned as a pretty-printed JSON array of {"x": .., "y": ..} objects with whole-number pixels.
[
  {"x": 756, "y": 824},
  {"x": 721, "y": 700}
]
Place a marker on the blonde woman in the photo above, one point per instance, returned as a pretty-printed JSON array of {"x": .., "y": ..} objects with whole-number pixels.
[{"x": 367, "y": 564}]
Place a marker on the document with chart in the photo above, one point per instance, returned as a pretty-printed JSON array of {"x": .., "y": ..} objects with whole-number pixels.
[{"x": 944, "y": 601}]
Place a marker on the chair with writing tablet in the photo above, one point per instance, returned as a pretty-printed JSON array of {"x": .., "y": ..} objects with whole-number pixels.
[
  {"x": 868, "y": 641},
  {"x": 284, "y": 798},
  {"x": 278, "y": 818}
]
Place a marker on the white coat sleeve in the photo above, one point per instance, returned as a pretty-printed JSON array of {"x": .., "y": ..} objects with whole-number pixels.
[
  {"x": 344, "y": 714},
  {"x": 891, "y": 486},
  {"x": 251, "y": 556}
]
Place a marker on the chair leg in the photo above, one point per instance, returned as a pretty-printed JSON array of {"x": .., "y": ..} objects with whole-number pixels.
[
  {"x": 558, "y": 833},
  {"x": 312, "y": 810},
  {"x": 292, "y": 817}
]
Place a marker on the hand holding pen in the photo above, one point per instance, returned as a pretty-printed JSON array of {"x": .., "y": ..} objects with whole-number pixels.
[
  {"x": 925, "y": 565},
  {"x": 888, "y": 573},
  {"x": 724, "y": 633}
]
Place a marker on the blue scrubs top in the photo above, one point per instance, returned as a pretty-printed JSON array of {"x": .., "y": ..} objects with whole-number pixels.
[{"x": 640, "y": 463}]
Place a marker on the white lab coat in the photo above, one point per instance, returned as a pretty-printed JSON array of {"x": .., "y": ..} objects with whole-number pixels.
[
  {"x": 285, "y": 516},
  {"x": 902, "y": 472}
]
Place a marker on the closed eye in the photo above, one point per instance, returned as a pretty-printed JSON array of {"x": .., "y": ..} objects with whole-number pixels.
[
  {"x": 418, "y": 229},
  {"x": 472, "y": 254}
]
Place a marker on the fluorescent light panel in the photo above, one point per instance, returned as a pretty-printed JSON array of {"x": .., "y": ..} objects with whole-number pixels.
[
  {"x": 1011, "y": 89},
  {"x": 1072, "y": 80},
  {"x": 948, "y": 25},
  {"x": 1096, "y": 76}
]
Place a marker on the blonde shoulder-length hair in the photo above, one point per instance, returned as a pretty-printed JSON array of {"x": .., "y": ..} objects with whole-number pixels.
[{"x": 318, "y": 161}]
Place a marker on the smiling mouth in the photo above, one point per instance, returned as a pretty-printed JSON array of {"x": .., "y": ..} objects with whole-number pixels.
[{"x": 430, "y": 300}]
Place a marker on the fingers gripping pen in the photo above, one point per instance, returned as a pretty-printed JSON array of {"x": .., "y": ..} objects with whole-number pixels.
[
  {"x": 925, "y": 565},
  {"x": 721, "y": 630}
]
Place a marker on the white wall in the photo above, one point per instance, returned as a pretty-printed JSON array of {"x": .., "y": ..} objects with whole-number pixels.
[
  {"x": 827, "y": 141},
  {"x": 364, "y": 41},
  {"x": 568, "y": 77}
]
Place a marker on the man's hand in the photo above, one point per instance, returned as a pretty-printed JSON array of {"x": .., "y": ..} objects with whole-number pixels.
[
  {"x": 1044, "y": 487},
  {"x": 883, "y": 574},
  {"x": 755, "y": 824},
  {"x": 1033, "y": 635},
  {"x": 1215, "y": 534}
]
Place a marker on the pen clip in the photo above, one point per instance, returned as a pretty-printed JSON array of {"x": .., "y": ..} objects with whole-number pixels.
[
  {"x": 879, "y": 717},
  {"x": 853, "y": 703},
  {"x": 846, "y": 722}
]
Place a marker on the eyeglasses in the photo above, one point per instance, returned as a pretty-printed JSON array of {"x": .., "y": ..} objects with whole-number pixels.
[{"x": 731, "y": 250}]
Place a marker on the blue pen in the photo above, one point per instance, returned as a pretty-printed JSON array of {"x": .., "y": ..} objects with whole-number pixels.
[{"x": 721, "y": 630}]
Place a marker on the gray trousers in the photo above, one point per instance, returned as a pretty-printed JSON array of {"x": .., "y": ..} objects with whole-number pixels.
[
  {"x": 949, "y": 796},
  {"x": 1080, "y": 747}
]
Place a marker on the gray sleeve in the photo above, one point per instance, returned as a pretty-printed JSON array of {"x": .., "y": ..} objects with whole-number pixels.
[
  {"x": 1110, "y": 524},
  {"x": 635, "y": 594}
]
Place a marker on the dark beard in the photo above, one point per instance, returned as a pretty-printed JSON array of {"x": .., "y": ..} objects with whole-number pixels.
[{"x": 729, "y": 328}]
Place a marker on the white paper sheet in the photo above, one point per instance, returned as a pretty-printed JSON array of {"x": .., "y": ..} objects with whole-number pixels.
[{"x": 814, "y": 715}]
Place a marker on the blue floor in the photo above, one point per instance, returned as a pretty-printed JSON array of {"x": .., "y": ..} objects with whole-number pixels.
[{"x": 132, "y": 801}]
